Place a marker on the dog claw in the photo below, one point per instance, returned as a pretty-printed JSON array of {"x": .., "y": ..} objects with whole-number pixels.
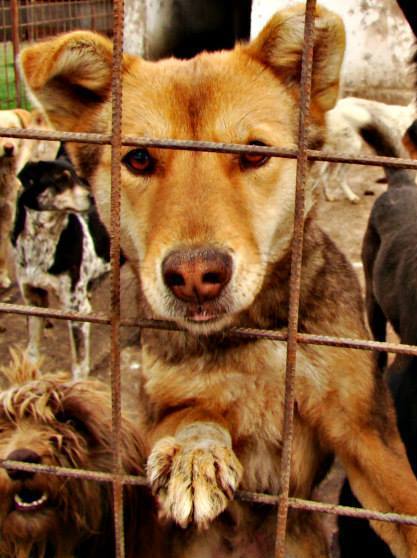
[{"x": 193, "y": 483}]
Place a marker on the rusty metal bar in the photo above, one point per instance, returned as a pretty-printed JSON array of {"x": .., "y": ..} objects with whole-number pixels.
[
  {"x": 14, "y": 9},
  {"x": 116, "y": 145},
  {"x": 208, "y": 146},
  {"x": 267, "y": 499},
  {"x": 295, "y": 279},
  {"x": 273, "y": 335}
]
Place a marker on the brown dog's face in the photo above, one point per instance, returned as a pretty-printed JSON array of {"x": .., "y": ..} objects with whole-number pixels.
[
  {"x": 203, "y": 227},
  {"x": 49, "y": 422}
]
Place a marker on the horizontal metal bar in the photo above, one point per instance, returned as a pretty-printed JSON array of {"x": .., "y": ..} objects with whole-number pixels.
[
  {"x": 273, "y": 335},
  {"x": 82, "y": 474},
  {"x": 323, "y": 507},
  {"x": 246, "y": 496},
  {"x": 207, "y": 146}
]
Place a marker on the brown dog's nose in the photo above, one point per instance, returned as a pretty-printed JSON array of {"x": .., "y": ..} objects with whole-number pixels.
[
  {"x": 26, "y": 456},
  {"x": 8, "y": 149},
  {"x": 197, "y": 275}
]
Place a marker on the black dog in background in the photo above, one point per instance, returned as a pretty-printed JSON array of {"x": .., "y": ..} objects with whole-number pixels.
[{"x": 389, "y": 255}]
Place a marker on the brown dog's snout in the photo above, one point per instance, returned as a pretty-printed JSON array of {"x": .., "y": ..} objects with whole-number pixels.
[
  {"x": 197, "y": 275},
  {"x": 26, "y": 456}
]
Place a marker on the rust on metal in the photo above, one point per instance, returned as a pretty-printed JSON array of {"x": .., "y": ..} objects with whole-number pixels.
[
  {"x": 295, "y": 278},
  {"x": 16, "y": 47},
  {"x": 116, "y": 145},
  {"x": 208, "y": 146}
]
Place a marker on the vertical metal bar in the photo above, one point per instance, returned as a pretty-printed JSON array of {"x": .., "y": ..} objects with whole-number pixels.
[
  {"x": 116, "y": 144},
  {"x": 295, "y": 279},
  {"x": 16, "y": 47}
]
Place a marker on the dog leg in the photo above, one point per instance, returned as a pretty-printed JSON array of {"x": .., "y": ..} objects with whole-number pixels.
[
  {"x": 35, "y": 297},
  {"x": 79, "y": 332},
  {"x": 377, "y": 467},
  {"x": 329, "y": 169},
  {"x": 376, "y": 317},
  {"x": 351, "y": 196},
  {"x": 193, "y": 470},
  {"x": 6, "y": 219}
]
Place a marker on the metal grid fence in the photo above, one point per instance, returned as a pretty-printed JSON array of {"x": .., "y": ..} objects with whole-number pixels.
[
  {"x": 293, "y": 337},
  {"x": 24, "y": 21}
]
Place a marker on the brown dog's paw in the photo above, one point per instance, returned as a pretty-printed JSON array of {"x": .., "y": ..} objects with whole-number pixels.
[{"x": 193, "y": 481}]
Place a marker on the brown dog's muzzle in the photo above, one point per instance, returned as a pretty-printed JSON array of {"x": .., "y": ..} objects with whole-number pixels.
[
  {"x": 197, "y": 275},
  {"x": 26, "y": 456}
]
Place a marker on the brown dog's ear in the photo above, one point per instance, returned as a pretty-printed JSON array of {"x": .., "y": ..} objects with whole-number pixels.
[
  {"x": 24, "y": 116},
  {"x": 279, "y": 46},
  {"x": 69, "y": 75}
]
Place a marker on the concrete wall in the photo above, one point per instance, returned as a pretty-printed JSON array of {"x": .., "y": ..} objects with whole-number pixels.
[
  {"x": 379, "y": 41},
  {"x": 379, "y": 46}
]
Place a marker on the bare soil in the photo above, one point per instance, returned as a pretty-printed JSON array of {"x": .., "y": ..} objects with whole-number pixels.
[{"x": 345, "y": 222}]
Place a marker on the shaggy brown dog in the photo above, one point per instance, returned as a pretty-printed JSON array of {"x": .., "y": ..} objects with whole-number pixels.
[
  {"x": 210, "y": 236},
  {"x": 51, "y": 420}
]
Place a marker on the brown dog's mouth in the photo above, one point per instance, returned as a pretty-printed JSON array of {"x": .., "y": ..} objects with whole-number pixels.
[
  {"x": 30, "y": 500},
  {"x": 202, "y": 316}
]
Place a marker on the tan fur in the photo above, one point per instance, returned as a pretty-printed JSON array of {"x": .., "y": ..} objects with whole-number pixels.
[
  {"x": 67, "y": 424},
  {"x": 214, "y": 404}
]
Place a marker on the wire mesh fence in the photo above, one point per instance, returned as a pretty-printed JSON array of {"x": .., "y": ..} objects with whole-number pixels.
[
  {"x": 115, "y": 320},
  {"x": 23, "y": 21}
]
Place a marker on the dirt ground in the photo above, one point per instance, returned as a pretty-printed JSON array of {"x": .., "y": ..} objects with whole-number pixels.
[{"x": 345, "y": 223}]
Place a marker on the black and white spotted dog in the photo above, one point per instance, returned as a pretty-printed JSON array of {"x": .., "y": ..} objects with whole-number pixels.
[{"x": 61, "y": 247}]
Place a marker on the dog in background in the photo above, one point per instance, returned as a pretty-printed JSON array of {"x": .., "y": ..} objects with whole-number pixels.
[
  {"x": 50, "y": 420},
  {"x": 343, "y": 136},
  {"x": 61, "y": 246},
  {"x": 14, "y": 154},
  {"x": 210, "y": 235},
  {"x": 389, "y": 255}
]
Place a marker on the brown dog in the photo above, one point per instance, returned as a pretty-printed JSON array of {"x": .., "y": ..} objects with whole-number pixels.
[
  {"x": 210, "y": 236},
  {"x": 51, "y": 420}
]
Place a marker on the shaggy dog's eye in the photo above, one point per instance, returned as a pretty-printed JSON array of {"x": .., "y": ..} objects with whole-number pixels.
[
  {"x": 253, "y": 160},
  {"x": 139, "y": 161}
]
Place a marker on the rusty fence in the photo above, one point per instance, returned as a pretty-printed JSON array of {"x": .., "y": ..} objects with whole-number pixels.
[
  {"x": 293, "y": 338},
  {"x": 24, "y": 21}
]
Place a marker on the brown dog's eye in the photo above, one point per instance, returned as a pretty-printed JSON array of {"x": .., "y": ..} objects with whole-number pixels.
[
  {"x": 254, "y": 160},
  {"x": 139, "y": 161}
]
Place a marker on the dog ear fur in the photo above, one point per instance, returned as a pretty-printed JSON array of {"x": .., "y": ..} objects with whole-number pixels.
[
  {"x": 279, "y": 46},
  {"x": 31, "y": 173},
  {"x": 69, "y": 75},
  {"x": 24, "y": 116}
]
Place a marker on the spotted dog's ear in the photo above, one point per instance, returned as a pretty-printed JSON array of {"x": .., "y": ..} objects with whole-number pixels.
[
  {"x": 32, "y": 173},
  {"x": 69, "y": 76},
  {"x": 279, "y": 46}
]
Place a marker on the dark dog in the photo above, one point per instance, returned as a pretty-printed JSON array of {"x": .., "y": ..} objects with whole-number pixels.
[
  {"x": 52, "y": 421},
  {"x": 61, "y": 247},
  {"x": 389, "y": 255}
]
